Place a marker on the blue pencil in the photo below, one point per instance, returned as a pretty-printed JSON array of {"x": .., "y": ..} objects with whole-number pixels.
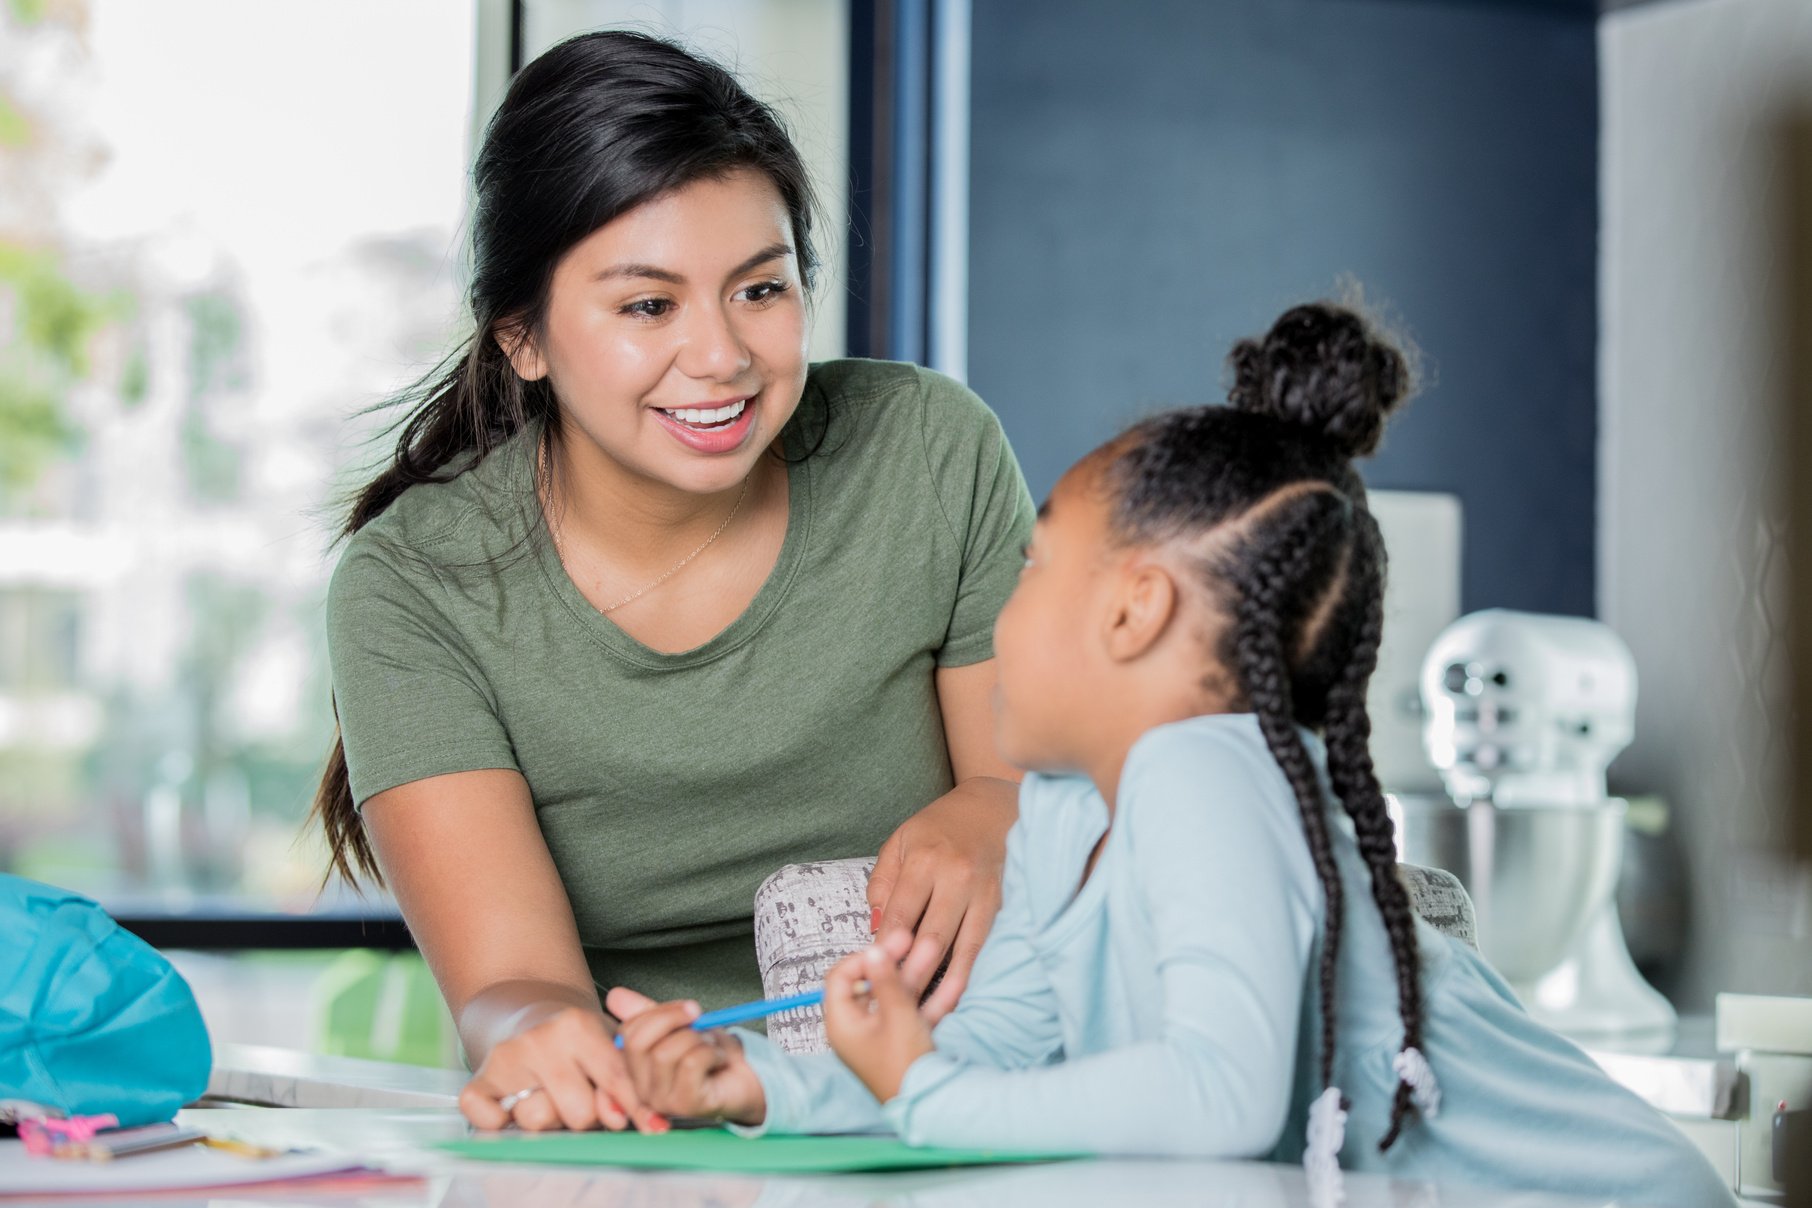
[{"x": 751, "y": 1010}]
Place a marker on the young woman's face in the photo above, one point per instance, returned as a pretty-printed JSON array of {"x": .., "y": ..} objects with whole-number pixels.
[
  {"x": 676, "y": 333},
  {"x": 1044, "y": 660}
]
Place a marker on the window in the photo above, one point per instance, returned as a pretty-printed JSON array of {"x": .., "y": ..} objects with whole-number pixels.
[
  {"x": 225, "y": 229},
  {"x": 794, "y": 54}
]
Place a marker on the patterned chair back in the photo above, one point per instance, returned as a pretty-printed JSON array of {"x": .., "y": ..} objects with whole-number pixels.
[{"x": 810, "y": 916}]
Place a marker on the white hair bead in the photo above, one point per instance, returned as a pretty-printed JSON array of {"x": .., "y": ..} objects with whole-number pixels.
[
  {"x": 1413, "y": 1068},
  {"x": 1321, "y": 1157}
]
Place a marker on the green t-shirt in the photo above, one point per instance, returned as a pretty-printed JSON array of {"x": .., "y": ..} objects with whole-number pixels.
[{"x": 668, "y": 786}]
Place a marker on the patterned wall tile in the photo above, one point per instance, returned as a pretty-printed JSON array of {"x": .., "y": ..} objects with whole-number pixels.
[{"x": 1692, "y": 560}]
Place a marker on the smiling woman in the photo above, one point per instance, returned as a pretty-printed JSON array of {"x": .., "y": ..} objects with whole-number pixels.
[
  {"x": 646, "y": 606},
  {"x": 678, "y": 356}
]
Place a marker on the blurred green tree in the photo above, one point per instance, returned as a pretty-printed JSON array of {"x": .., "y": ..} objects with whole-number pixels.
[
  {"x": 43, "y": 355},
  {"x": 47, "y": 320}
]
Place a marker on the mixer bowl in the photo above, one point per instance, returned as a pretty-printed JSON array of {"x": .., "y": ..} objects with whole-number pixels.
[{"x": 1537, "y": 874}]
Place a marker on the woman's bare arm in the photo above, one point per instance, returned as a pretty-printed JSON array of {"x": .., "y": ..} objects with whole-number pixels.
[
  {"x": 966, "y": 697},
  {"x": 465, "y": 858},
  {"x": 939, "y": 874}
]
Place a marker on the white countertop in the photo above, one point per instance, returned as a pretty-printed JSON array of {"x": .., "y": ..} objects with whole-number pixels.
[
  {"x": 398, "y": 1140},
  {"x": 389, "y": 1115}
]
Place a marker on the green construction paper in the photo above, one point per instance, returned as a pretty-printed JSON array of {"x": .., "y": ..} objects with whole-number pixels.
[{"x": 716, "y": 1149}]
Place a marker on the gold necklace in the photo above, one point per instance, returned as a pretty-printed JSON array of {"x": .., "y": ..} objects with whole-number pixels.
[{"x": 607, "y": 609}]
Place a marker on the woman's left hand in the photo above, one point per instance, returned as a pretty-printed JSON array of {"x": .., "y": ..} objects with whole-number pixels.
[
  {"x": 871, "y": 1019},
  {"x": 938, "y": 878},
  {"x": 682, "y": 1072}
]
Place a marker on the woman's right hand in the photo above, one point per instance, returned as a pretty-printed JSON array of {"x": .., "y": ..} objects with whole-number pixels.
[
  {"x": 569, "y": 1060},
  {"x": 468, "y": 864}
]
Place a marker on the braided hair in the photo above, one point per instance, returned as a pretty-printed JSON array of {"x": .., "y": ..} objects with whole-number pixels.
[{"x": 1300, "y": 579}]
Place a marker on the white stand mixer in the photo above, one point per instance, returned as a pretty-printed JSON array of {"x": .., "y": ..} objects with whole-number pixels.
[{"x": 1523, "y": 714}]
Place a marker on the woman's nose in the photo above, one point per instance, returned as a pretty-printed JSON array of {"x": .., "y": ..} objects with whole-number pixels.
[{"x": 713, "y": 349}]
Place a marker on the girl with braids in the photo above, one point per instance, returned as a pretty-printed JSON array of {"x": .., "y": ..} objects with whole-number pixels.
[{"x": 1204, "y": 947}]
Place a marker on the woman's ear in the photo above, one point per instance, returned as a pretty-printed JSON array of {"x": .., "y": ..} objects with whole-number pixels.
[
  {"x": 524, "y": 353},
  {"x": 1142, "y": 608}
]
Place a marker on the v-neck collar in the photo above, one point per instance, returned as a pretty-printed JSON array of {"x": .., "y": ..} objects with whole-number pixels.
[{"x": 607, "y": 633}]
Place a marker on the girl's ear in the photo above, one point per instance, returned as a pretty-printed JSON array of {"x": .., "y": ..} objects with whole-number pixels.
[
  {"x": 1142, "y": 608},
  {"x": 519, "y": 345}
]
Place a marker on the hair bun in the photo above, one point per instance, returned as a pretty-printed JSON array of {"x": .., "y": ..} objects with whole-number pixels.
[{"x": 1323, "y": 367}]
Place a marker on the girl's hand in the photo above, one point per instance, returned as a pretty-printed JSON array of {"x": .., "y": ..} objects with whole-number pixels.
[
  {"x": 876, "y": 1027},
  {"x": 570, "y": 1063},
  {"x": 682, "y": 1072},
  {"x": 938, "y": 878}
]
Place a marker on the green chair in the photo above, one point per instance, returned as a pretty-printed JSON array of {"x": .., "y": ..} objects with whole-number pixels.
[{"x": 382, "y": 1008}]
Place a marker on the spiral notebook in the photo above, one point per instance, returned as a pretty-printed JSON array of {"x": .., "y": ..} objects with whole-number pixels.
[{"x": 193, "y": 1167}]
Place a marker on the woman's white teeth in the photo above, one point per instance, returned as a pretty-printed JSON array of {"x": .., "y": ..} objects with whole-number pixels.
[{"x": 714, "y": 415}]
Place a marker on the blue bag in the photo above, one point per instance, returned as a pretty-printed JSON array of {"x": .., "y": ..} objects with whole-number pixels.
[{"x": 92, "y": 1018}]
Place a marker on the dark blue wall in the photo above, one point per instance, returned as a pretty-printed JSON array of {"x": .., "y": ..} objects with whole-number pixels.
[{"x": 1153, "y": 179}]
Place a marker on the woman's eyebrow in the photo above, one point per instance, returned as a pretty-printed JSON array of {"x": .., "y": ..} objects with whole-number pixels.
[
  {"x": 639, "y": 270},
  {"x": 774, "y": 251}
]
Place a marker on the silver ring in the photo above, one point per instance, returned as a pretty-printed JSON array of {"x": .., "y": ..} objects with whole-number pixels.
[{"x": 508, "y": 1102}]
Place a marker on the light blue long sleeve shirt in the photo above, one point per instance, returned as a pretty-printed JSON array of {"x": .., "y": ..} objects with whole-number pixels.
[{"x": 1169, "y": 1007}]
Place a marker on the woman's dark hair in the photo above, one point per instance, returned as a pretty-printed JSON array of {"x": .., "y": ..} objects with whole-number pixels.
[
  {"x": 591, "y": 129},
  {"x": 1300, "y": 579}
]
